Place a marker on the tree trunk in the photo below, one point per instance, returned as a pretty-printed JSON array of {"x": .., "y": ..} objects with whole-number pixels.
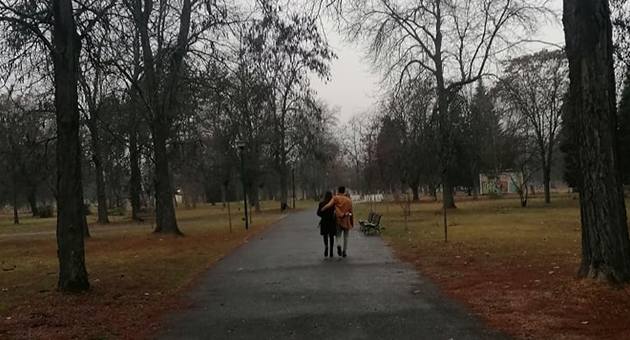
[
  {"x": 546, "y": 180},
  {"x": 228, "y": 208},
  {"x": 448, "y": 193},
  {"x": 85, "y": 227},
  {"x": 433, "y": 191},
  {"x": 284, "y": 185},
  {"x": 101, "y": 196},
  {"x": 135, "y": 179},
  {"x": 32, "y": 201},
  {"x": 16, "y": 216},
  {"x": 161, "y": 86},
  {"x": 445, "y": 126},
  {"x": 592, "y": 121},
  {"x": 523, "y": 194},
  {"x": 15, "y": 188},
  {"x": 223, "y": 194},
  {"x": 135, "y": 185},
  {"x": 70, "y": 211},
  {"x": 165, "y": 221},
  {"x": 475, "y": 188},
  {"x": 414, "y": 189},
  {"x": 97, "y": 159},
  {"x": 254, "y": 199}
]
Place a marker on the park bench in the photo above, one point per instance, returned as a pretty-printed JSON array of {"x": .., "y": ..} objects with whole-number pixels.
[
  {"x": 373, "y": 224},
  {"x": 363, "y": 222},
  {"x": 145, "y": 217}
]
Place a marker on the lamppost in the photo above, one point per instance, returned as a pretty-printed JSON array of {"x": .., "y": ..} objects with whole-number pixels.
[{"x": 241, "y": 147}]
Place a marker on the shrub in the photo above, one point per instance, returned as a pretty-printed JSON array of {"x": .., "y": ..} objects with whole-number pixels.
[
  {"x": 494, "y": 195},
  {"x": 46, "y": 211},
  {"x": 118, "y": 211}
]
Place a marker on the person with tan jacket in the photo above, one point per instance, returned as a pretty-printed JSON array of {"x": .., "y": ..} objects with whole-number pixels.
[{"x": 343, "y": 217}]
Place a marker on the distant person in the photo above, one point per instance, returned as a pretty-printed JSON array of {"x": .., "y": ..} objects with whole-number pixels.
[
  {"x": 343, "y": 216},
  {"x": 327, "y": 224}
]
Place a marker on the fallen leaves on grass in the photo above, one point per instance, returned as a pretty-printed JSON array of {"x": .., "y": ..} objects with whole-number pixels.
[
  {"x": 135, "y": 278},
  {"x": 512, "y": 270}
]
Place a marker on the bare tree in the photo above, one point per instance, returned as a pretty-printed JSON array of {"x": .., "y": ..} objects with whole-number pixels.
[
  {"x": 452, "y": 41},
  {"x": 94, "y": 80},
  {"x": 534, "y": 86},
  {"x": 353, "y": 148},
  {"x": 288, "y": 46},
  {"x": 358, "y": 138},
  {"x": 53, "y": 26},
  {"x": 592, "y": 123},
  {"x": 166, "y": 34}
]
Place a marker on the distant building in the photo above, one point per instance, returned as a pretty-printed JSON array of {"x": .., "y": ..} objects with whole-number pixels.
[{"x": 503, "y": 183}]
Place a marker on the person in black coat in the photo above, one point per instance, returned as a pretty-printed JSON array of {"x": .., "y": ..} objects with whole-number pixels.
[{"x": 327, "y": 224}]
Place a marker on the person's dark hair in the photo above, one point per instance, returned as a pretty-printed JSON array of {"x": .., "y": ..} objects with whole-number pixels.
[
  {"x": 327, "y": 197},
  {"x": 341, "y": 190}
]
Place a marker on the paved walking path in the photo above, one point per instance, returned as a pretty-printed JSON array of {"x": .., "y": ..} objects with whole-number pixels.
[{"x": 279, "y": 286}]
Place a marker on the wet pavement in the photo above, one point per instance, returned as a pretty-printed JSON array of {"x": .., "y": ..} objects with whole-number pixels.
[{"x": 280, "y": 286}]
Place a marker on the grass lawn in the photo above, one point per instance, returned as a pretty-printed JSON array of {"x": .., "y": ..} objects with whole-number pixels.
[
  {"x": 135, "y": 275},
  {"x": 513, "y": 267}
]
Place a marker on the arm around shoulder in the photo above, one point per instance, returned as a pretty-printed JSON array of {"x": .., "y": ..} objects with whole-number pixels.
[{"x": 330, "y": 204}]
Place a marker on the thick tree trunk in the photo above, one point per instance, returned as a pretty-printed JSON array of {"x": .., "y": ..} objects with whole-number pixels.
[
  {"x": 101, "y": 195},
  {"x": 546, "y": 180},
  {"x": 85, "y": 227},
  {"x": 448, "y": 193},
  {"x": 416, "y": 194},
  {"x": 70, "y": 211},
  {"x": 284, "y": 181},
  {"x": 284, "y": 197},
  {"x": 135, "y": 185},
  {"x": 592, "y": 121},
  {"x": 523, "y": 195},
  {"x": 433, "y": 191},
  {"x": 32, "y": 201},
  {"x": 475, "y": 188},
  {"x": 161, "y": 94},
  {"x": 445, "y": 126},
  {"x": 16, "y": 215},
  {"x": 254, "y": 199},
  {"x": 165, "y": 222},
  {"x": 95, "y": 146},
  {"x": 15, "y": 187},
  {"x": 135, "y": 179},
  {"x": 224, "y": 194}
]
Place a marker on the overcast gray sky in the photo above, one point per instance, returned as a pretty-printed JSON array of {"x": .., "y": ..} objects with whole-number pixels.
[{"x": 354, "y": 88}]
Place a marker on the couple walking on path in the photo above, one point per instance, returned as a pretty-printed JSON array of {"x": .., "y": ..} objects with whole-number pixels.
[{"x": 336, "y": 219}]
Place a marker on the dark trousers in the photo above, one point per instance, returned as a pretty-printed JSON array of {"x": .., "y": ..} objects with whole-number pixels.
[{"x": 330, "y": 237}]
